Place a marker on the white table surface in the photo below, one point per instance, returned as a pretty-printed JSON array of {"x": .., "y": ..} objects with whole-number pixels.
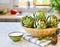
[{"x": 5, "y": 41}]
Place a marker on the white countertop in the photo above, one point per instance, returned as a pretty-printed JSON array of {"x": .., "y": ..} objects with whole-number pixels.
[{"x": 5, "y": 41}]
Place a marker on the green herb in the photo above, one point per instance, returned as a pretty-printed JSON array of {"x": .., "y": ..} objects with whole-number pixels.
[
  {"x": 44, "y": 38},
  {"x": 55, "y": 5}
]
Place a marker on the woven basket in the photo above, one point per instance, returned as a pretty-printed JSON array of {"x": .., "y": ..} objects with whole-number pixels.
[{"x": 40, "y": 32}]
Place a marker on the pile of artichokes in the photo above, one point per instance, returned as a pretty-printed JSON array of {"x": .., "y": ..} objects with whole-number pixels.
[{"x": 39, "y": 20}]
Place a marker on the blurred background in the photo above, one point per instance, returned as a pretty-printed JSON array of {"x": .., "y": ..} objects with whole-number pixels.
[{"x": 25, "y": 7}]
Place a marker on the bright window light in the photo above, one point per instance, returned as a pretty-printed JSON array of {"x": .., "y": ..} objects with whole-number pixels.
[{"x": 24, "y": 3}]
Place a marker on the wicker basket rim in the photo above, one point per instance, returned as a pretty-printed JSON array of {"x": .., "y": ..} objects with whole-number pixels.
[{"x": 40, "y": 28}]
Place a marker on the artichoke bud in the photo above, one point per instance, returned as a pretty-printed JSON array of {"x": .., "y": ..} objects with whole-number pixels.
[
  {"x": 27, "y": 21},
  {"x": 52, "y": 21},
  {"x": 40, "y": 15},
  {"x": 41, "y": 24}
]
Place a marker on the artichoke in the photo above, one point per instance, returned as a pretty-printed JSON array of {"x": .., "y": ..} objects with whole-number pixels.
[
  {"x": 52, "y": 21},
  {"x": 27, "y": 21},
  {"x": 40, "y": 15},
  {"x": 41, "y": 24},
  {"x": 40, "y": 19}
]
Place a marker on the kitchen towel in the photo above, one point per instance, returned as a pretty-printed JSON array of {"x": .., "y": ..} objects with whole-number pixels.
[{"x": 41, "y": 43}]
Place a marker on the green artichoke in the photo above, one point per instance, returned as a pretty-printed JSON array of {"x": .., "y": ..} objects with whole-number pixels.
[
  {"x": 40, "y": 15},
  {"x": 41, "y": 24},
  {"x": 40, "y": 19},
  {"x": 52, "y": 21},
  {"x": 27, "y": 21}
]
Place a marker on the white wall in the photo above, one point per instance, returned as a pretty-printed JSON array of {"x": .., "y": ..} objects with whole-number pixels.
[
  {"x": 5, "y": 1},
  {"x": 6, "y": 4}
]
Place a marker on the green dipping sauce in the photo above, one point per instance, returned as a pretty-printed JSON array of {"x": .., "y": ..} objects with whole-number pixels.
[{"x": 15, "y": 36}]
